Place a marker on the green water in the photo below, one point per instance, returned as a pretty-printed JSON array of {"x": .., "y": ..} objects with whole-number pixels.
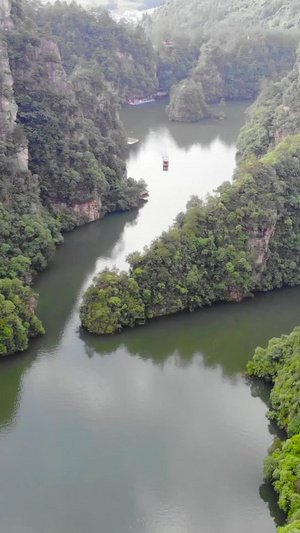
[{"x": 155, "y": 430}]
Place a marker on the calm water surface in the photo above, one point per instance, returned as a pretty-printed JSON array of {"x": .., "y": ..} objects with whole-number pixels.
[{"x": 155, "y": 430}]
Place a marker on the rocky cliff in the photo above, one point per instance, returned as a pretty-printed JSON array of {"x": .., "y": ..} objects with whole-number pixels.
[
  {"x": 8, "y": 105},
  {"x": 61, "y": 156},
  {"x": 64, "y": 127}
]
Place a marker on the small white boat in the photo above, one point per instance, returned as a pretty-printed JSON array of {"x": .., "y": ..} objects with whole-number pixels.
[{"x": 132, "y": 140}]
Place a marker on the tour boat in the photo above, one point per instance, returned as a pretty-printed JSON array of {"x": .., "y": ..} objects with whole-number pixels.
[
  {"x": 144, "y": 196},
  {"x": 165, "y": 163},
  {"x": 132, "y": 140},
  {"x": 141, "y": 102}
]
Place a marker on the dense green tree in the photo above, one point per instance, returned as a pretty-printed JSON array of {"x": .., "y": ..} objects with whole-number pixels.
[
  {"x": 17, "y": 319},
  {"x": 233, "y": 66},
  {"x": 112, "y": 301},
  {"x": 280, "y": 364},
  {"x": 282, "y": 467}
]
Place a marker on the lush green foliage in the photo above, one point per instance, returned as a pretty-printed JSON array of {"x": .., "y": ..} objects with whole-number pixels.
[
  {"x": 228, "y": 66},
  {"x": 76, "y": 141},
  {"x": 175, "y": 61},
  {"x": 280, "y": 364},
  {"x": 113, "y": 301},
  {"x": 293, "y": 527},
  {"x": 282, "y": 467},
  {"x": 275, "y": 114},
  {"x": 17, "y": 319}
]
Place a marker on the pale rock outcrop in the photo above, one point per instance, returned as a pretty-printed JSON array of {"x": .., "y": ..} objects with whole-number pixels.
[
  {"x": 5, "y": 17},
  {"x": 8, "y": 106},
  {"x": 86, "y": 211},
  {"x": 50, "y": 52},
  {"x": 260, "y": 244},
  {"x": 22, "y": 158}
]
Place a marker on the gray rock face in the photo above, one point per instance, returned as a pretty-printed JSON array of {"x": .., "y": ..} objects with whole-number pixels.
[
  {"x": 86, "y": 211},
  {"x": 8, "y": 106}
]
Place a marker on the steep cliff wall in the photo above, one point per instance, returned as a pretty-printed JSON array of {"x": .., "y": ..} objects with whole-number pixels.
[
  {"x": 76, "y": 140},
  {"x": 8, "y": 105}
]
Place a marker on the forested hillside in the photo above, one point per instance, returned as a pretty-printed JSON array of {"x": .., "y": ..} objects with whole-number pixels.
[
  {"x": 227, "y": 48},
  {"x": 178, "y": 16},
  {"x": 126, "y": 59},
  {"x": 233, "y": 66},
  {"x": 244, "y": 239},
  {"x": 62, "y": 143}
]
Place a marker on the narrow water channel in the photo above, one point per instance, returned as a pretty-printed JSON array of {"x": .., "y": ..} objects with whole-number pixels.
[{"x": 155, "y": 430}]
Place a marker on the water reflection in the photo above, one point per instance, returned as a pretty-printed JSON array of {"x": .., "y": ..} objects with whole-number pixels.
[
  {"x": 58, "y": 287},
  {"x": 268, "y": 495},
  {"x": 12, "y": 371},
  {"x": 225, "y": 334},
  {"x": 145, "y": 121}
]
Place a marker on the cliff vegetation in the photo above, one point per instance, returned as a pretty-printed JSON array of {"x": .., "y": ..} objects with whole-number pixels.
[{"x": 62, "y": 145}]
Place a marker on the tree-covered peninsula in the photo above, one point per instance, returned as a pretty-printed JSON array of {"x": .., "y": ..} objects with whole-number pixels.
[{"x": 243, "y": 239}]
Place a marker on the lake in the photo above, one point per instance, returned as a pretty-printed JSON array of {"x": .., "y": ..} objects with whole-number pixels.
[{"x": 157, "y": 429}]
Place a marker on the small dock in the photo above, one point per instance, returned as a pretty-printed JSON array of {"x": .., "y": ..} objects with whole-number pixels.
[{"x": 132, "y": 140}]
